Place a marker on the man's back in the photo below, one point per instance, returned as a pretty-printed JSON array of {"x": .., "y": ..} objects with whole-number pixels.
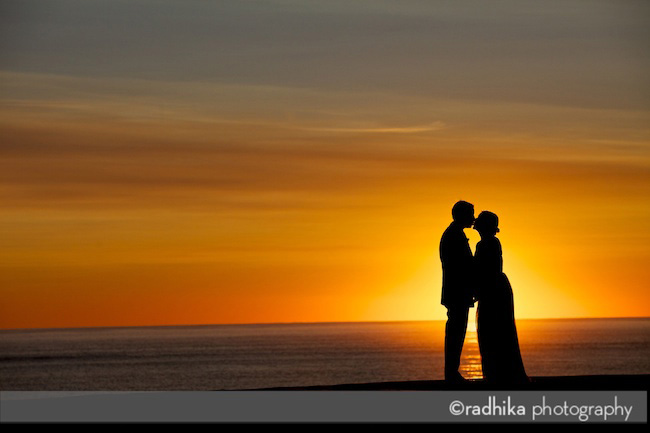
[{"x": 457, "y": 268}]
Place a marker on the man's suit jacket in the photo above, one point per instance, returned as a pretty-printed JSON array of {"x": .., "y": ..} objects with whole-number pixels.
[{"x": 457, "y": 268}]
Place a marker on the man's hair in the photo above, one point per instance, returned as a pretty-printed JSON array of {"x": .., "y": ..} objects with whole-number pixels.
[{"x": 461, "y": 208}]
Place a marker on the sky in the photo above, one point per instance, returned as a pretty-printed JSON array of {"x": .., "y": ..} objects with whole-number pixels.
[{"x": 206, "y": 162}]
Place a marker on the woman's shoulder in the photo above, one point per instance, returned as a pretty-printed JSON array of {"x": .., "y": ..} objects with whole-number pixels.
[{"x": 489, "y": 244}]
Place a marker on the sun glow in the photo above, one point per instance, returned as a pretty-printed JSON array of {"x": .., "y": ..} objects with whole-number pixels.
[{"x": 253, "y": 178}]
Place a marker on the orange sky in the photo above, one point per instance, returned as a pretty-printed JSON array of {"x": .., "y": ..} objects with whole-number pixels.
[{"x": 132, "y": 200}]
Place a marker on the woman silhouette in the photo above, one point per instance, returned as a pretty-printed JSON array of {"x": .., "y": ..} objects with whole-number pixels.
[{"x": 495, "y": 321}]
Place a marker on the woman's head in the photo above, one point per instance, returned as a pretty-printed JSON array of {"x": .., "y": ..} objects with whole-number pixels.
[{"x": 487, "y": 223}]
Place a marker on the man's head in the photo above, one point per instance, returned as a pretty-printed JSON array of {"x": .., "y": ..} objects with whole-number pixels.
[{"x": 463, "y": 213}]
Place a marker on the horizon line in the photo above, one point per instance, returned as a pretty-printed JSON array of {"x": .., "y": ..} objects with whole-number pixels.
[{"x": 341, "y": 322}]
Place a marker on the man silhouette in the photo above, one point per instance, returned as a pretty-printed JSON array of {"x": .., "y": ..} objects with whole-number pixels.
[{"x": 457, "y": 285}]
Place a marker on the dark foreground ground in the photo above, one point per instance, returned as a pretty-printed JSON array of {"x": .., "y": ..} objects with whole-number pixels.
[
  {"x": 555, "y": 383},
  {"x": 261, "y": 407}
]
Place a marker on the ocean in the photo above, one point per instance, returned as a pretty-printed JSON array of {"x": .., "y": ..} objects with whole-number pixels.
[{"x": 227, "y": 357}]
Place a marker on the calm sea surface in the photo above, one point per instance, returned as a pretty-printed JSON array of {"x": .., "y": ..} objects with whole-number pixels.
[{"x": 257, "y": 356}]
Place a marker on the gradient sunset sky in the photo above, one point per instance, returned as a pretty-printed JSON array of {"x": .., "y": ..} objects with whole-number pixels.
[{"x": 197, "y": 162}]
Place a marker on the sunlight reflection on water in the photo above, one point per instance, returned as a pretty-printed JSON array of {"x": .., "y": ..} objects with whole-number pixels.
[{"x": 470, "y": 363}]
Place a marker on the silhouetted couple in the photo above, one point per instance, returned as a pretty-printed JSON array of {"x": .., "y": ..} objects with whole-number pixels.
[{"x": 467, "y": 279}]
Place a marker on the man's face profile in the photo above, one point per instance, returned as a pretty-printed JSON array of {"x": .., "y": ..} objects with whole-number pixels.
[
  {"x": 463, "y": 214},
  {"x": 470, "y": 217}
]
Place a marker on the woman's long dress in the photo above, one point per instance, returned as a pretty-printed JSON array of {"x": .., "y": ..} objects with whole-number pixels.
[{"x": 497, "y": 333}]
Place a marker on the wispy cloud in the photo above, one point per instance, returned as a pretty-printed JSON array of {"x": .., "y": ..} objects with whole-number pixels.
[{"x": 435, "y": 126}]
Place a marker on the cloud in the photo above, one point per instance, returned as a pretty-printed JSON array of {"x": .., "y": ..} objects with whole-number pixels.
[
  {"x": 563, "y": 53},
  {"x": 435, "y": 126}
]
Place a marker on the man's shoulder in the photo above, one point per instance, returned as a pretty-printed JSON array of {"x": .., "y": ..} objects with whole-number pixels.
[
  {"x": 454, "y": 231},
  {"x": 453, "y": 238}
]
